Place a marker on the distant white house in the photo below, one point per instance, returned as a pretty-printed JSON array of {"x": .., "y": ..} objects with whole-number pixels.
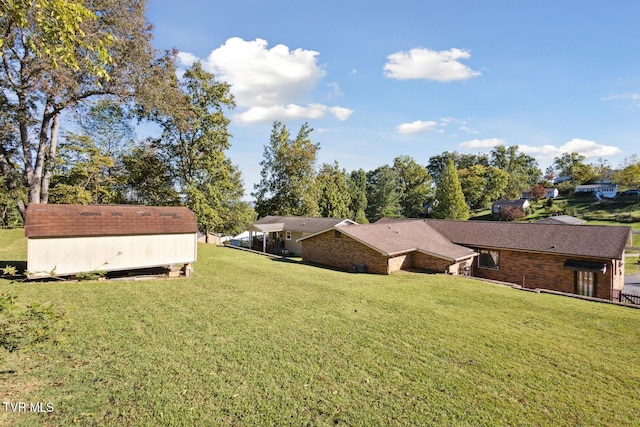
[
  {"x": 551, "y": 193},
  {"x": 606, "y": 190}
]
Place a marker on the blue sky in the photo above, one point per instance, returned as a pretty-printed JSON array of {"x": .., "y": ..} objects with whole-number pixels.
[{"x": 378, "y": 79}]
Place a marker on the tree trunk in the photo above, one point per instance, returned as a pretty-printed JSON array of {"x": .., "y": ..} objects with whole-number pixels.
[
  {"x": 35, "y": 187},
  {"x": 48, "y": 167}
]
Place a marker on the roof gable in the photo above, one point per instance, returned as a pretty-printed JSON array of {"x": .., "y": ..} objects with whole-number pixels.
[
  {"x": 517, "y": 203},
  {"x": 49, "y": 220},
  {"x": 407, "y": 236}
]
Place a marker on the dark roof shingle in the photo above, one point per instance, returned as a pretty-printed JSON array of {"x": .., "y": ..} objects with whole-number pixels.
[
  {"x": 49, "y": 220},
  {"x": 595, "y": 241}
]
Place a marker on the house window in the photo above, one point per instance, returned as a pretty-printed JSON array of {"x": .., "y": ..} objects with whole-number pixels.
[
  {"x": 288, "y": 235},
  {"x": 489, "y": 259},
  {"x": 586, "y": 283}
]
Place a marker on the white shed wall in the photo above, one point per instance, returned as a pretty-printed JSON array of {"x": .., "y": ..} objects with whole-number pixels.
[{"x": 70, "y": 255}]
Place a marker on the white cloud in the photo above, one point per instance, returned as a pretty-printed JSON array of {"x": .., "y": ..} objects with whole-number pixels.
[
  {"x": 589, "y": 149},
  {"x": 416, "y": 126},
  {"x": 335, "y": 89},
  {"x": 483, "y": 143},
  {"x": 291, "y": 111},
  {"x": 427, "y": 64},
  {"x": 267, "y": 81},
  {"x": 469, "y": 130},
  {"x": 635, "y": 97}
]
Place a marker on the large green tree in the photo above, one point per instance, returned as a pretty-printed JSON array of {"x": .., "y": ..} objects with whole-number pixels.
[
  {"x": 59, "y": 54},
  {"x": 629, "y": 174},
  {"x": 438, "y": 162},
  {"x": 414, "y": 186},
  {"x": 288, "y": 185},
  {"x": 357, "y": 184},
  {"x": 522, "y": 169},
  {"x": 449, "y": 196},
  {"x": 195, "y": 139},
  {"x": 383, "y": 194},
  {"x": 89, "y": 163},
  {"x": 333, "y": 191},
  {"x": 482, "y": 185},
  {"x": 572, "y": 165},
  {"x": 80, "y": 177},
  {"x": 147, "y": 177}
]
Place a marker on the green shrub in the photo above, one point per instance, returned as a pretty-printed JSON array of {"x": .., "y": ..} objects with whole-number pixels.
[
  {"x": 25, "y": 326},
  {"x": 9, "y": 270},
  {"x": 511, "y": 213}
]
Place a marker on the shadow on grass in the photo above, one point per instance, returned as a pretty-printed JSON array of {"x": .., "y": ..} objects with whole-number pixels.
[{"x": 295, "y": 260}]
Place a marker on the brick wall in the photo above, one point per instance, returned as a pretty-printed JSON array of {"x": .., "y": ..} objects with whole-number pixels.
[
  {"x": 430, "y": 263},
  {"x": 545, "y": 271},
  {"x": 400, "y": 262},
  {"x": 342, "y": 253}
]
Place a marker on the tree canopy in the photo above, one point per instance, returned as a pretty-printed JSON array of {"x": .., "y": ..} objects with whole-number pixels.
[
  {"x": 58, "y": 55},
  {"x": 287, "y": 185},
  {"x": 449, "y": 196}
]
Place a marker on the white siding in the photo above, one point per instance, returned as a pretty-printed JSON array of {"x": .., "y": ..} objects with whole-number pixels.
[{"x": 70, "y": 255}]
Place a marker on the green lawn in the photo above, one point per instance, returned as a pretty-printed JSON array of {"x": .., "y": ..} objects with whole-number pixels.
[
  {"x": 620, "y": 211},
  {"x": 253, "y": 341}
]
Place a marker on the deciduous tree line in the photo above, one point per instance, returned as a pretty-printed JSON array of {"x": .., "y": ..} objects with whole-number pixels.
[{"x": 450, "y": 185}]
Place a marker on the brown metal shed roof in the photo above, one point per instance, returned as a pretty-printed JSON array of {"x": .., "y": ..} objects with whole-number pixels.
[{"x": 47, "y": 220}]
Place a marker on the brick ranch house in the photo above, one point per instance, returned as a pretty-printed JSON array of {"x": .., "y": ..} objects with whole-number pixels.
[
  {"x": 584, "y": 260},
  {"x": 386, "y": 248},
  {"x": 281, "y": 234},
  {"x": 64, "y": 240}
]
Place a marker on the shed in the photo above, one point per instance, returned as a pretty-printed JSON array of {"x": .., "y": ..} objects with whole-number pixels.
[{"x": 64, "y": 240}]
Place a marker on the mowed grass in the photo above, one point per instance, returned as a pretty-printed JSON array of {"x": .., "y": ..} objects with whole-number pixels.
[{"x": 253, "y": 341}]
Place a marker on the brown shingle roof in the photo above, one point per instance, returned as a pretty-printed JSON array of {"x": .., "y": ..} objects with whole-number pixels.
[
  {"x": 298, "y": 223},
  {"x": 406, "y": 236},
  {"x": 47, "y": 220},
  {"x": 605, "y": 242}
]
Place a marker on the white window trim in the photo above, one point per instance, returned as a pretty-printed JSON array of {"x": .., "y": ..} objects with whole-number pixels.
[
  {"x": 488, "y": 252},
  {"x": 288, "y": 235}
]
